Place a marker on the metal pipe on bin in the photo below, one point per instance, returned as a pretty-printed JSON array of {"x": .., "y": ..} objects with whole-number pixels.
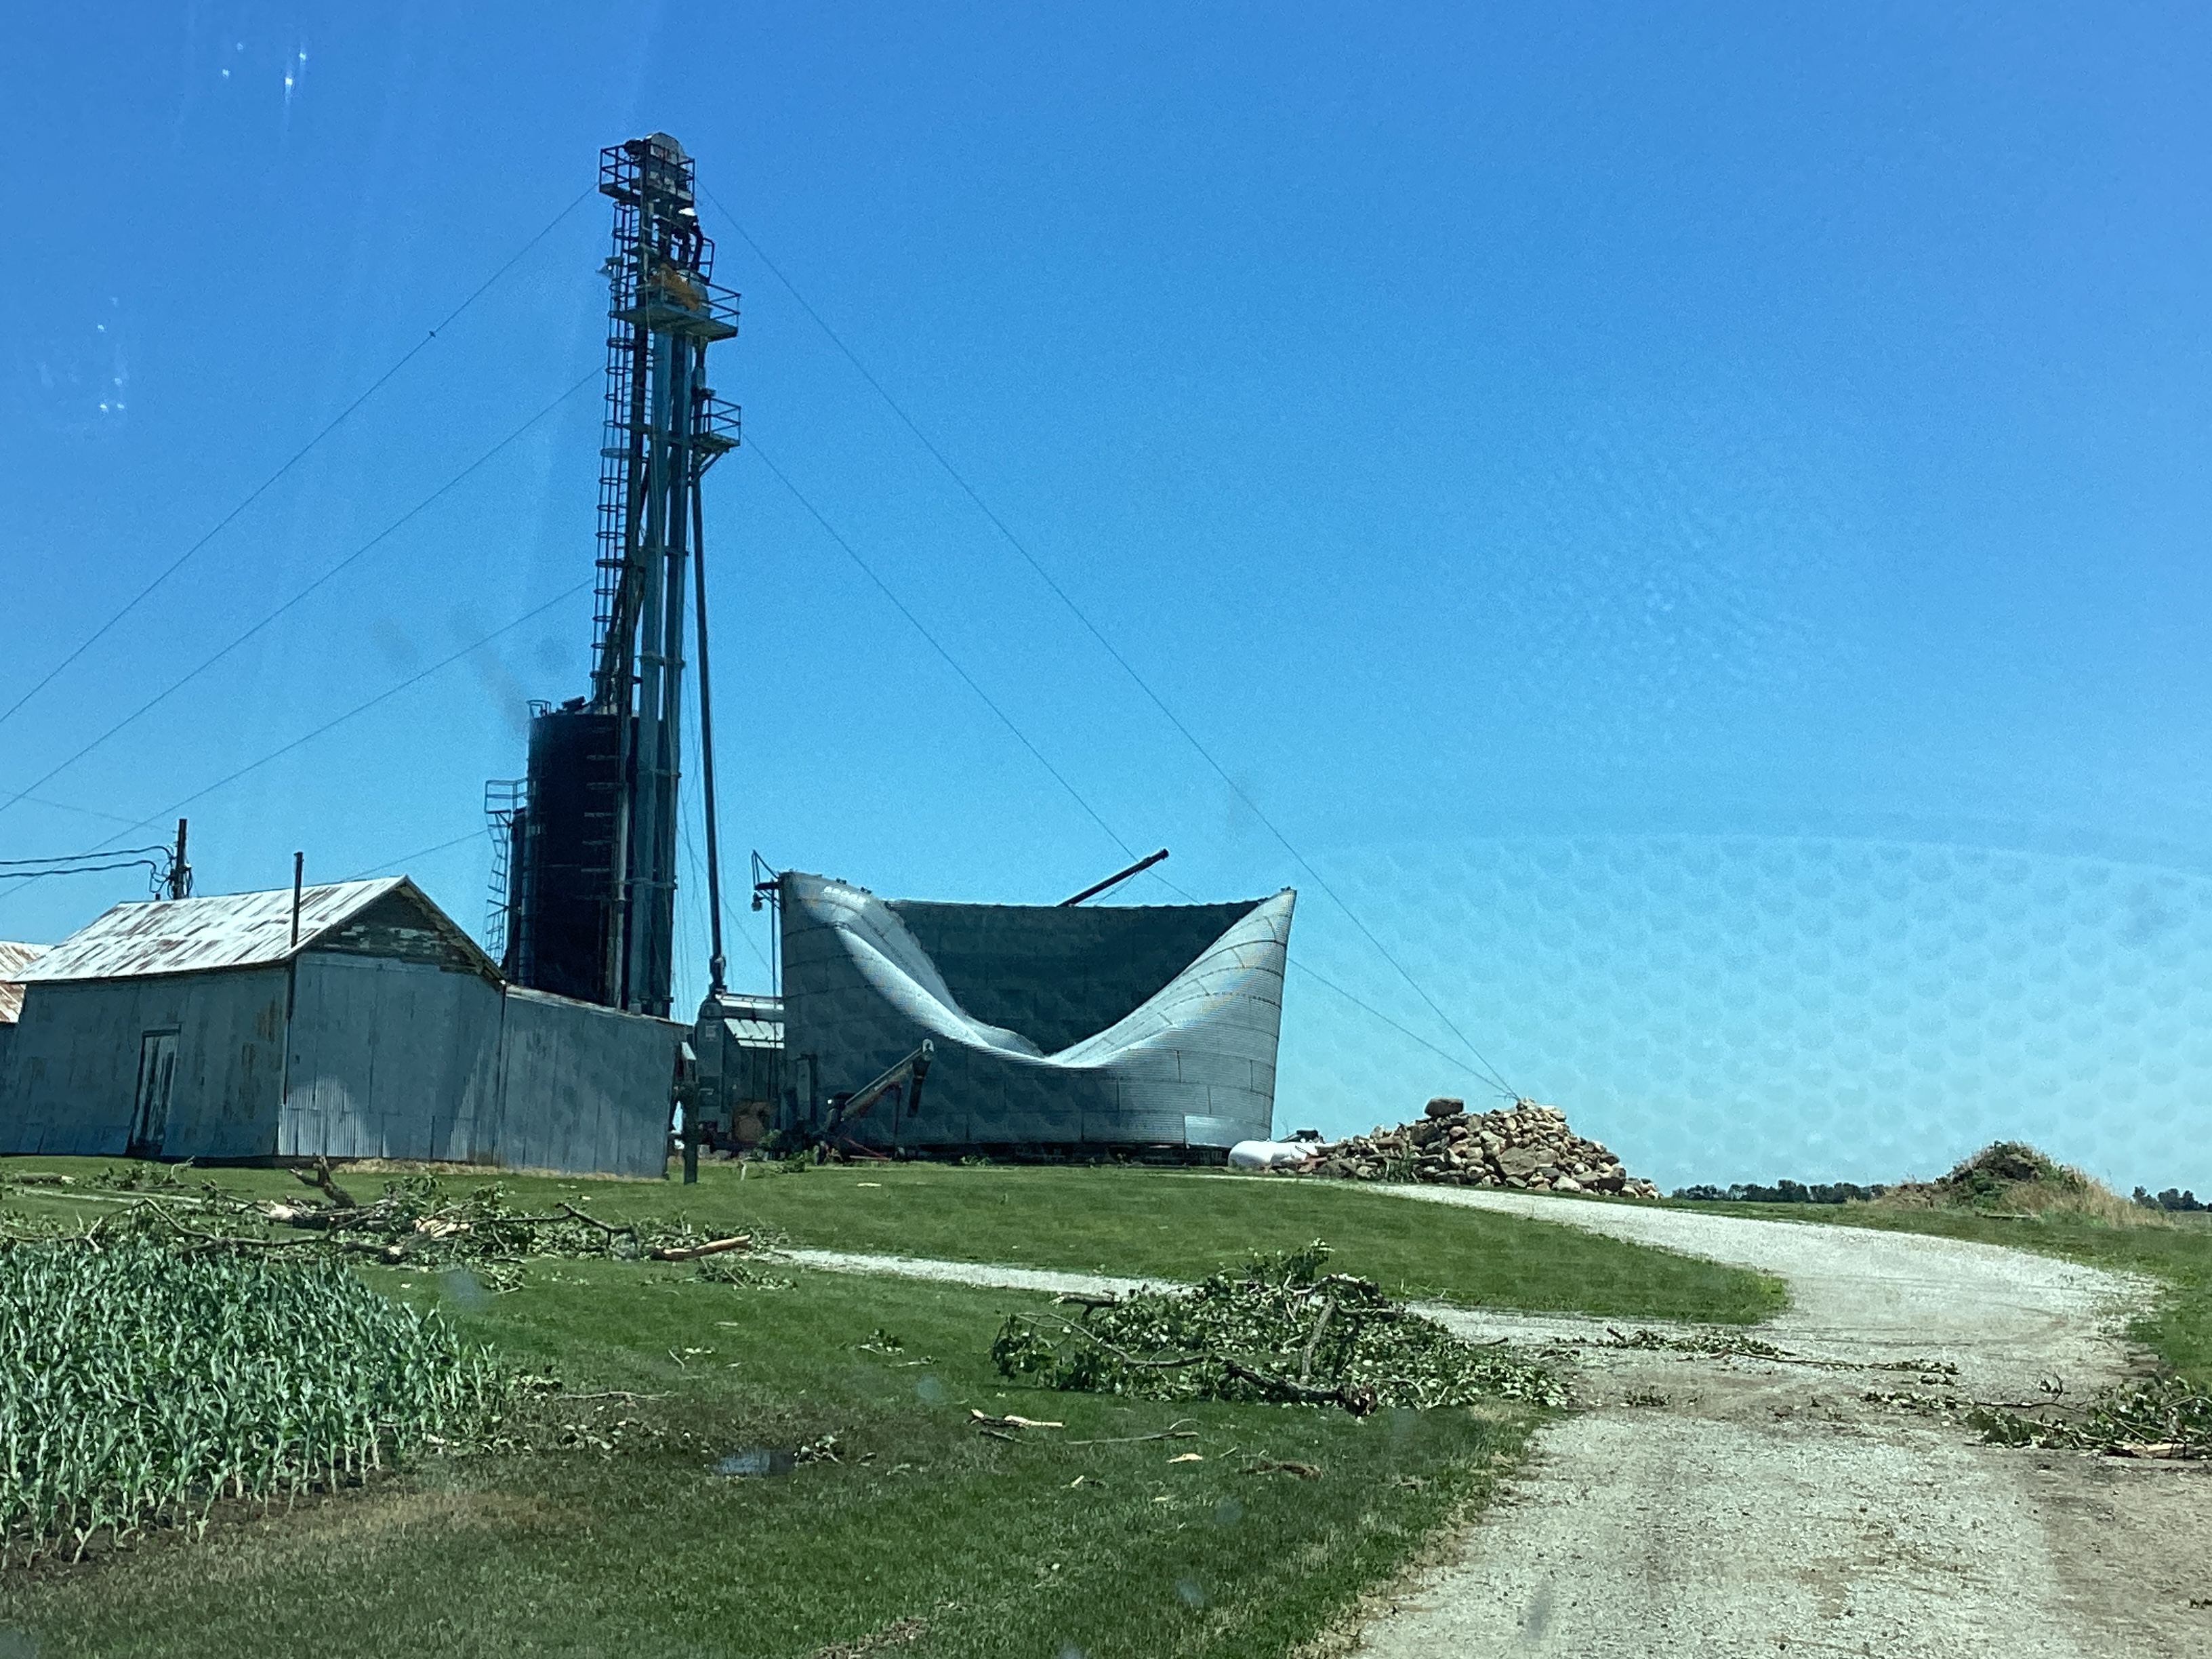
[{"x": 1116, "y": 879}]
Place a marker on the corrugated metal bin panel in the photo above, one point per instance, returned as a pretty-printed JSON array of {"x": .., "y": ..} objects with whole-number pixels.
[{"x": 1052, "y": 1024}]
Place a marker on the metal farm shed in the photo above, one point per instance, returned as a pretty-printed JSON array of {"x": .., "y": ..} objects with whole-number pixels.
[
  {"x": 12, "y": 957},
  {"x": 375, "y": 1027}
]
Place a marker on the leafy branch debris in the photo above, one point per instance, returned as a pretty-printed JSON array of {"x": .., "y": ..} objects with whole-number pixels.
[
  {"x": 417, "y": 1222},
  {"x": 1278, "y": 1330}
]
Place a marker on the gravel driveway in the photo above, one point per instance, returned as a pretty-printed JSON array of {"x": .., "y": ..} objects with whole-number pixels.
[
  {"x": 1745, "y": 1506},
  {"x": 1705, "y": 1506}
]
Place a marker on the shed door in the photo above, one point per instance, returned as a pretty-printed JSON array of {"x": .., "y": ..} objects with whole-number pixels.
[{"x": 157, "y": 1075}]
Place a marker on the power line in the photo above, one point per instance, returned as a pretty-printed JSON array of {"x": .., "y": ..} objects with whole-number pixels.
[
  {"x": 1444, "y": 1054},
  {"x": 966, "y": 678},
  {"x": 419, "y": 853},
  {"x": 263, "y": 488},
  {"x": 82, "y": 870},
  {"x": 358, "y": 553},
  {"x": 1491, "y": 1079},
  {"x": 1105, "y": 644},
  {"x": 360, "y": 708},
  {"x": 61, "y": 859},
  {"x": 84, "y": 811}
]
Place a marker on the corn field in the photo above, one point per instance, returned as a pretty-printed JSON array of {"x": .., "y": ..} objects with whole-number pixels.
[{"x": 139, "y": 1384}]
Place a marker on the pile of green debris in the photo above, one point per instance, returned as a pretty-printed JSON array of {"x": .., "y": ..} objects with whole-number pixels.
[
  {"x": 415, "y": 1222},
  {"x": 2167, "y": 1417},
  {"x": 1279, "y": 1329}
]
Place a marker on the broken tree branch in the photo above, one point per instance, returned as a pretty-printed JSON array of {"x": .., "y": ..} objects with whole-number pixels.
[
  {"x": 693, "y": 1251},
  {"x": 1175, "y": 1431},
  {"x": 1306, "y": 1358}
]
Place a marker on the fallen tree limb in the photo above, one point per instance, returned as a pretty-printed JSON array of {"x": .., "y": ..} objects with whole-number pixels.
[
  {"x": 610, "y": 1393},
  {"x": 613, "y": 1229},
  {"x": 693, "y": 1251},
  {"x": 320, "y": 1178},
  {"x": 1306, "y": 1358},
  {"x": 1286, "y": 1466},
  {"x": 1173, "y": 1431},
  {"x": 1127, "y": 1358},
  {"x": 1355, "y": 1399},
  {"x": 1278, "y": 1330}
]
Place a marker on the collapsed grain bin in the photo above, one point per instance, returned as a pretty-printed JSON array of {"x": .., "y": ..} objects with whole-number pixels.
[
  {"x": 1054, "y": 1029},
  {"x": 350, "y": 1020}
]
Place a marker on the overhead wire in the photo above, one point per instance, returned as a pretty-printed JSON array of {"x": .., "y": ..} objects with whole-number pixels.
[
  {"x": 80, "y": 870},
  {"x": 419, "y": 853},
  {"x": 84, "y": 811},
  {"x": 327, "y": 576},
  {"x": 950, "y": 661},
  {"x": 1298, "y": 965},
  {"x": 1488, "y": 1071},
  {"x": 1449, "y": 1058},
  {"x": 59, "y": 858},
  {"x": 299, "y": 454},
  {"x": 157, "y": 859},
  {"x": 360, "y": 708}
]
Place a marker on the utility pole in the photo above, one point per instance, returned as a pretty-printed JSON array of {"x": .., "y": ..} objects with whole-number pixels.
[{"x": 181, "y": 874}]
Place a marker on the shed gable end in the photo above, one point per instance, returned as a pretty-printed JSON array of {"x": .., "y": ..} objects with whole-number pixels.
[{"x": 400, "y": 927}]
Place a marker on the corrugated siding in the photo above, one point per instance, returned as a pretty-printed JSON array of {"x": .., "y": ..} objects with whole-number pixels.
[
  {"x": 384, "y": 1058},
  {"x": 390, "y": 1060},
  {"x": 71, "y": 1078},
  {"x": 584, "y": 1088},
  {"x": 1060, "y": 973}
]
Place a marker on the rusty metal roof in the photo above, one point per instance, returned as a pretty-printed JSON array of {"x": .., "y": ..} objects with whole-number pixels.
[
  {"x": 235, "y": 930},
  {"x": 12, "y": 957}
]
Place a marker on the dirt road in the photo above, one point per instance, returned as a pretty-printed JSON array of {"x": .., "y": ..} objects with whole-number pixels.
[{"x": 1733, "y": 1506}]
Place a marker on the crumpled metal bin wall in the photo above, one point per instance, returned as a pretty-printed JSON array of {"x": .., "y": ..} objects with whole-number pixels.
[{"x": 1138, "y": 1025}]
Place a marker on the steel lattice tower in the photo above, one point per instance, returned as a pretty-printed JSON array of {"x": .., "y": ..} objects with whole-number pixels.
[
  {"x": 665, "y": 427},
  {"x": 587, "y": 847}
]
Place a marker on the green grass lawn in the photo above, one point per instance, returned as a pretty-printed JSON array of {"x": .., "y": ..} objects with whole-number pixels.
[
  {"x": 616, "y": 1534},
  {"x": 1033, "y": 1547},
  {"x": 2178, "y": 1254},
  {"x": 1135, "y": 1221}
]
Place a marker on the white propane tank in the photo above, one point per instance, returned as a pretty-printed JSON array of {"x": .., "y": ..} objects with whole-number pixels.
[{"x": 1271, "y": 1154}]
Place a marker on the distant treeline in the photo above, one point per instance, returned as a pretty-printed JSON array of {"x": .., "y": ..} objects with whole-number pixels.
[
  {"x": 1784, "y": 1192},
  {"x": 2169, "y": 1199}
]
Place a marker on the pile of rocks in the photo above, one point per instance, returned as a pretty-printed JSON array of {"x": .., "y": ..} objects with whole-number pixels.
[{"x": 1525, "y": 1145}]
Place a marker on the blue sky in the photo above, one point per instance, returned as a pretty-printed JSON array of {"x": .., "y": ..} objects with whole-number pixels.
[{"x": 1591, "y": 476}]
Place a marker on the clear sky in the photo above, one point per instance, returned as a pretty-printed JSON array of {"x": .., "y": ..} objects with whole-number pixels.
[{"x": 1692, "y": 520}]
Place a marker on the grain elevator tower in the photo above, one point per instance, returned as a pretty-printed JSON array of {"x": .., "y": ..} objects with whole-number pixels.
[{"x": 585, "y": 882}]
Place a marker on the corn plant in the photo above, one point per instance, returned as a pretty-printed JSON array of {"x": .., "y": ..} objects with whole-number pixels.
[{"x": 140, "y": 1385}]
